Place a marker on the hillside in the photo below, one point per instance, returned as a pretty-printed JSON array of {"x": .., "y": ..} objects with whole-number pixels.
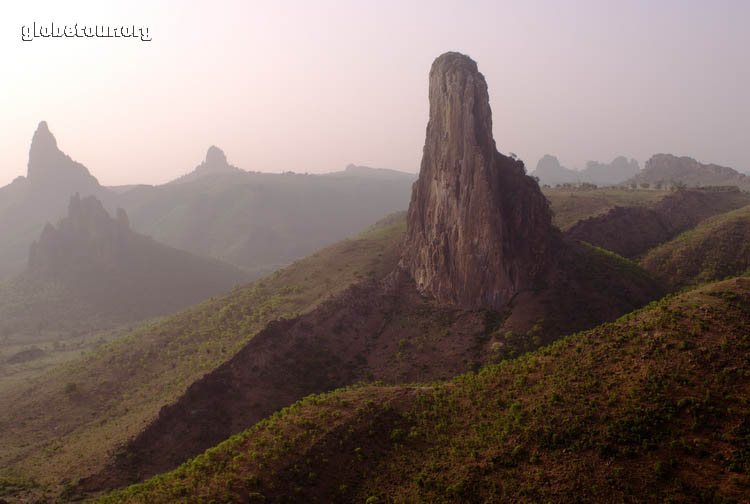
[
  {"x": 631, "y": 231},
  {"x": 262, "y": 221},
  {"x": 570, "y": 205},
  {"x": 64, "y": 425},
  {"x": 717, "y": 248},
  {"x": 92, "y": 272},
  {"x": 651, "y": 408},
  {"x": 434, "y": 315},
  {"x": 671, "y": 170}
]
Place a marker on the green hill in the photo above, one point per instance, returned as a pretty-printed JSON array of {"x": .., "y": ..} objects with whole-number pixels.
[
  {"x": 652, "y": 408},
  {"x": 717, "y": 248},
  {"x": 571, "y": 205},
  {"x": 262, "y": 221},
  {"x": 65, "y": 424}
]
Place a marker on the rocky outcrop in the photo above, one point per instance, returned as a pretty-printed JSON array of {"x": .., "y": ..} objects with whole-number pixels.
[
  {"x": 609, "y": 173},
  {"x": 671, "y": 170},
  {"x": 215, "y": 164},
  {"x": 111, "y": 273},
  {"x": 551, "y": 172},
  {"x": 88, "y": 234},
  {"x": 41, "y": 196},
  {"x": 52, "y": 169},
  {"x": 479, "y": 229}
]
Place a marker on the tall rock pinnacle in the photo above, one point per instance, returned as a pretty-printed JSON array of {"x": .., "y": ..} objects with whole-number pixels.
[
  {"x": 52, "y": 169},
  {"x": 479, "y": 230}
]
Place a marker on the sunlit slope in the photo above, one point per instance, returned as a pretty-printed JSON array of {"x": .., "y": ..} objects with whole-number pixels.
[
  {"x": 651, "y": 408},
  {"x": 74, "y": 415},
  {"x": 717, "y": 248}
]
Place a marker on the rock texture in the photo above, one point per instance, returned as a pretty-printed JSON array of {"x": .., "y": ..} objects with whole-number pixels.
[{"x": 479, "y": 229}]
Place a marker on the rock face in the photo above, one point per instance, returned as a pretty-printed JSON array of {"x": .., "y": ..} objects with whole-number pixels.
[{"x": 479, "y": 229}]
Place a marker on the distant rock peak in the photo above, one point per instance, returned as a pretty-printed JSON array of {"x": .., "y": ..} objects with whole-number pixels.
[
  {"x": 43, "y": 138},
  {"x": 479, "y": 229},
  {"x": 51, "y": 168},
  {"x": 215, "y": 162}
]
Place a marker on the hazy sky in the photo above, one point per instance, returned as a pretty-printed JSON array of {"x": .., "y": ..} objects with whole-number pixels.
[{"x": 310, "y": 86}]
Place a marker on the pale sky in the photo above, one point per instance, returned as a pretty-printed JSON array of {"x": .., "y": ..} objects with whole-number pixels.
[{"x": 310, "y": 86}]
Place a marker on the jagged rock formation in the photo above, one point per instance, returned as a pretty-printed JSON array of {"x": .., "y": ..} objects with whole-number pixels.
[
  {"x": 88, "y": 237},
  {"x": 51, "y": 169},
  {"x": 91, "y": 271},
  {"x": 609, "y": 173},
  {"x": 672, "y": 170},
  {"x": 551, "y": 172},
  {"x": 631, "y": 231},
  {"x": 42, "y": 196},
  {"x": 215, "y": 163},
  {"x": 479, "y": 229}
]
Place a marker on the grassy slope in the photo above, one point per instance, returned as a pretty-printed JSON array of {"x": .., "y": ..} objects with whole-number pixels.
[
  {"x": 651, "y": 408},
  {"x": 571, "y": 206},
  {"x": 717, "y": 248},
  {"x": 75, "y": 414}
]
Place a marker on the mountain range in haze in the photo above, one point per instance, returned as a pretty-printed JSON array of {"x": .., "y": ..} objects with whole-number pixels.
[
  {"x": 256, "y": 221},
  {"x": 551, "y": 172}
]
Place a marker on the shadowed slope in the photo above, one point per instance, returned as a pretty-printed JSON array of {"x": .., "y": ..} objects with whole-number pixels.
[{"x": 651, "y": 408}]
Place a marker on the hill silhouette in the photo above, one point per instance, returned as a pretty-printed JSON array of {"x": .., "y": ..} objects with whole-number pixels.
[
  {"x": 262, "y": 221},
  {"x": 91, "y": 272},
  {"x": 256, "y": 221},
  {"x": 551, "y": 172}
]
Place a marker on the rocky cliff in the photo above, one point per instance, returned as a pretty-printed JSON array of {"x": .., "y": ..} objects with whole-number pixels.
[{"x": 479, "y": 229}]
